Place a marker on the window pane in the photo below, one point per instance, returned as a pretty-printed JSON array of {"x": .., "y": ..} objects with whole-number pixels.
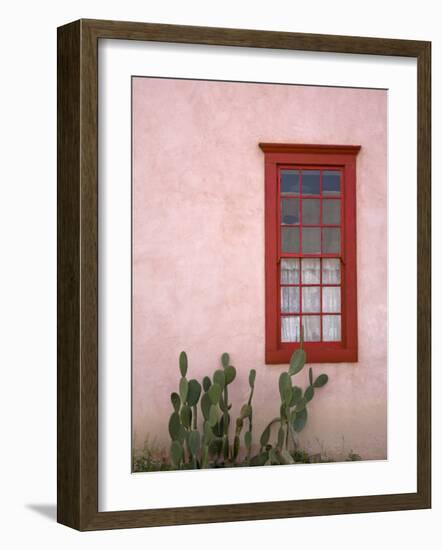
[
  {"x": 331, "y": 271},
  {"x": 289, "y": 182},
  {"x": 290, "y": 271},
  {"x": 331, "y": 212},
  {"x": 290, "y": 211},
  {"x": 290, "y": 299},
  {"x": 310, "y": 271},
  {"x": 331, "y": 182},
  {"x": 290, "y": 329},
  {"x": 331, "y": 299},
  {"x": 331, "y": 328},
  {"x": 331, "y": 240},
  {"x": 310, "y": 182},
  {"x": 310, "y": 211},
  {"x": 311, "y": 240},
  {"x": 290, "y": 239},
  {"x": 310, "y": 299},
  {"x": 312, "y": 328}
]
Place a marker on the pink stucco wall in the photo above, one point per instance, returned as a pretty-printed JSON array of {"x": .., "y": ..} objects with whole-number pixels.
[{"x": 198, "y": 249}]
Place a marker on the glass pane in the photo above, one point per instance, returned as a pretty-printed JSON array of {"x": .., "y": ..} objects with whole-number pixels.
[
  {"x": 310, "y": 211},
  {"x": 290, "y": 299},
  {"x": 311, "y": 325},
  {"x": 311, "y": 240},
  {"x": 331, "y": 271},
  {"x": 290, "y": 329},
  {"x": 331, "y": 240},
  {"x": 331, "y": 299},
  {"x": 331, "y": 182},
  {"x": 289, "y": 182},
  {"x": 331, "y": 212},
  {"x": 310, "y": 182},
  {"x": 290, "y": 239},
  {"x": 331, "y": 328},
  {"x": 290, "y": 271},
  {"x": 310, "y": 271},
  {"x": 310, "y": 299},
  {"x": 290, "y": 211}
]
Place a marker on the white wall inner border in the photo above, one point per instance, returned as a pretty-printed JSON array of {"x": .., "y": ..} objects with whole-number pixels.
[{"x": 119, "y": 489}]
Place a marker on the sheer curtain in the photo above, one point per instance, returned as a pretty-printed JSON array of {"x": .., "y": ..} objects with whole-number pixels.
[
  {"x": 290, "y": 329},
  {"x": 303, "y": 287},
  {"x": 331, "y": 328}
]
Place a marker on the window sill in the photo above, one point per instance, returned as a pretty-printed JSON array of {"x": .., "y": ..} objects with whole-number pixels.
[{"x": 316, "y": 353}]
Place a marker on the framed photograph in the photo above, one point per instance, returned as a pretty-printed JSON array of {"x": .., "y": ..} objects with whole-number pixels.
[{"x": 243, "y": 274}]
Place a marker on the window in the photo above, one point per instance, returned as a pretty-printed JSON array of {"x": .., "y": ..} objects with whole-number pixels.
[{"x": 310, "y": 251}]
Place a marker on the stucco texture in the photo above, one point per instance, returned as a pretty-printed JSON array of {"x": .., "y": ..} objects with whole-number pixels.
[{"x": 198, "y": 250}]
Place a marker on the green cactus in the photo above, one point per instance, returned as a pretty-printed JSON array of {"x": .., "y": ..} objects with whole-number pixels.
[
  {"x": 208, "y": 434},
  {"x": 300, "y": 419},
  {"x": 213, "y": 446},
  {"x": 183, "y": 364},
  {"x": 184, "y": 388},
  {"x": 320, "y": 381},
  {"x": 248, "y": 436},
  {"x": 205, "y": 456},
  {"x": 260, "y": 459},
  {"x": 193, "y": 393},
  {"x": 213, "y": 398},
  {"x": 214, "y": 393},
  {"x": 175, "y": 426},
  {"x": 309, "y": 393},
  {"x": 293, "y": 409},
  {"x": 230, "y": 374},
  {"x": 225, "y": 360},
  {"x": 246, "y": 411},
  {"x": 226, "y": 448},
  {"x": 176, "y": 454},
  {"x": 205, "y": 405},
  {"x": 236, "y": 445},
  {"x": 213, "y": 416},
  {"x": 296, "y": 395},
  {"x": 265, "y": 436},
  {"x": 194, "y": 442},
  {"x": 206, "y": 383},
  {"x": 186, "y": 416},
  {"x": 281, "y": 438},
  {"x": 176, "y": 402},
  {"x": 297, "y": 362},
  {"x": 252, "y": 377},
  {"x": 219, "y": 378},
  {"x": 248, "y": 440}
]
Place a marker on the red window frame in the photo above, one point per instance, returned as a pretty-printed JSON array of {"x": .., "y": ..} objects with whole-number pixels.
[{"x": 324, "y": 157}]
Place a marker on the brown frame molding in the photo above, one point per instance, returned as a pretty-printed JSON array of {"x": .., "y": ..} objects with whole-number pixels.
[{"x": 77, "y": 225}]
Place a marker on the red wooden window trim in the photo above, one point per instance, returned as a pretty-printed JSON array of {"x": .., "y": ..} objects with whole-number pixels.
[{"x": 323, "y": 157}]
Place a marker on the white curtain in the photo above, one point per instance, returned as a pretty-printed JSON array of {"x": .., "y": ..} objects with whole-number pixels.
[
  {"x": 290, "y": 299},
  {"x": 290, "y": 271},
  {"x": 312, "y": 328},
  {"x": 331, "y": 299},
  {"x": 331, "y": 328},
  {"x": 331, "y": 271},
  {"x": 308, "y": 272},
  {"x": 311, "y": 271},
  {"x": 290, "y": 329},
  {"x": 311, "y": 296}
]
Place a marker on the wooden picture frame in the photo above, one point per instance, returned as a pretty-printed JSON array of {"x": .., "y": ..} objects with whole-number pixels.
[{"x": 77, "y": 225}]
